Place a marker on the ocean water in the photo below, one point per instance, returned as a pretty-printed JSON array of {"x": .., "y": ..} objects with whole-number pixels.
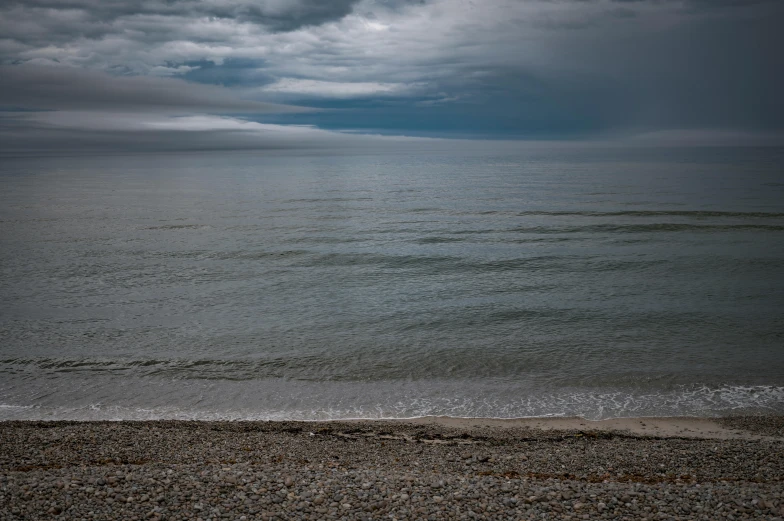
[{"x": 500, "y": 282}]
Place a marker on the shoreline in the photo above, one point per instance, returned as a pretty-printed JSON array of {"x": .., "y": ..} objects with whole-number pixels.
[
  {"x": 730, "y": 427},
  {"x": 425, "y": 468},
  {"x": 761, "y": 426}
]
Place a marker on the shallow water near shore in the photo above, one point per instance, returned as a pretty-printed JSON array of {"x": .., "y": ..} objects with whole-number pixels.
[{"x": 513, "y": 282}]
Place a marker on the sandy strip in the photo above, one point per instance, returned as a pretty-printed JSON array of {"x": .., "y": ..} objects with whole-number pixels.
[{"x": 682, "y": 427}]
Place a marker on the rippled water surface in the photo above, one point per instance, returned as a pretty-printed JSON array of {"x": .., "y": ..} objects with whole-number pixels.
[{"x": 538, "y": 281}]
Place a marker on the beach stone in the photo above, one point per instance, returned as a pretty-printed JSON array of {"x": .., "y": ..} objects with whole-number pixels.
[{"x": 570, "y": 478}]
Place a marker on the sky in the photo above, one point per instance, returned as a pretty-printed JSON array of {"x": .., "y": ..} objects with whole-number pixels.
[{"x": 124, "y": 75}]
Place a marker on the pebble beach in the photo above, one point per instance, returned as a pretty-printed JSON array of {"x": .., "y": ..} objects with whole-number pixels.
[{"x": 363, "y": 470}]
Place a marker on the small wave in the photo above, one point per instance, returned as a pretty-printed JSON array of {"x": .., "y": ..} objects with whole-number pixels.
[
  {"x": 293, "y": 401},
  {"x": 379, "y": 260},
  {"x": 306, "y": 367},
  {"x": 178, "y": 227},
  {"x": 423, "y": 210},
  {"x": 647, "y": 228},
  {"x": 438, "y": 240},
  {"x": 440, "y": 264},
  {"x": 325, "y": 240},
  {"x": 696, "y": 214},
  {"x": 259, "y": 255},
  {"x": 327, "y": 200}
]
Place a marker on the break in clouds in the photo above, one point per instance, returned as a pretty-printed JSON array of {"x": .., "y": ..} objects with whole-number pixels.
[{"x": 182, "y": 74}]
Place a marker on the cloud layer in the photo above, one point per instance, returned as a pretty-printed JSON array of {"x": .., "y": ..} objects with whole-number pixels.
[
  {"x": 97, "y": 132},
  {"x": 69, "y": 88},
  {"x": 498, "y": 68}
]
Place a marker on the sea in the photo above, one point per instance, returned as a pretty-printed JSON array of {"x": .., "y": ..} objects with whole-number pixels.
[{"x": 523, "y": 280}]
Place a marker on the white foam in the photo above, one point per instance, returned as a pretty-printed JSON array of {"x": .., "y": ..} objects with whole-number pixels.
[{"x": 308, "y": 401}]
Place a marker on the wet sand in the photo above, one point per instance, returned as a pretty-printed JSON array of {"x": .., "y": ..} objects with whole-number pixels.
[{"x": 687, "y": 427}]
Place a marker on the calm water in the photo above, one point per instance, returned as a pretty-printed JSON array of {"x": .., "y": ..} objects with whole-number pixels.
[{"x": 507, "y": 283}]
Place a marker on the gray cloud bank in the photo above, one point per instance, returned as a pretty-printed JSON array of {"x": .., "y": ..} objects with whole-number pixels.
[
  {"x": 60, "y": 109},
  {"x": 69, "y": 88},
  {"x": 93, "y": 18},
  {"x": 75, "y": 133}
]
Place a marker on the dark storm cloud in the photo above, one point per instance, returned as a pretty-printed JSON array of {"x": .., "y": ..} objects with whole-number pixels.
[
  {"x": 714, "y": 71},
  {"x": 704, "y": 4},
  {"x": 710, "y": 4},
  {"x": 499, "y": 68},
  {"x": 279, "y": 15},
  {"x": 68, "y": 88}
]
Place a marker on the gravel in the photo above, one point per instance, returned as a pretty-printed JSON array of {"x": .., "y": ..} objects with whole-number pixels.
[
  {"x": 765, "y": 425},
  {"x": 378, "y": 470}
]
